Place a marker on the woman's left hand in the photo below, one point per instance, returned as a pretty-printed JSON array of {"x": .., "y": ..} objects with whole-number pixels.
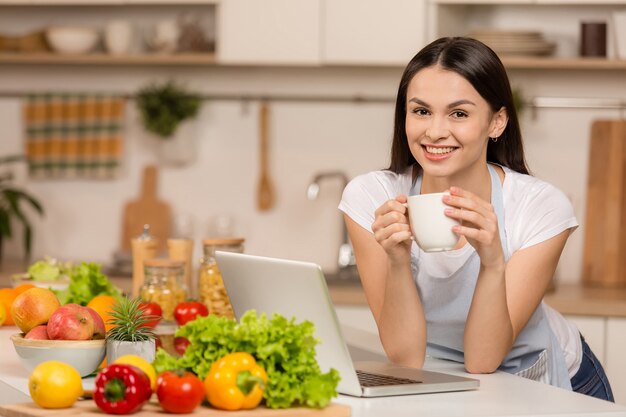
[{"x": 479, "y": 225}]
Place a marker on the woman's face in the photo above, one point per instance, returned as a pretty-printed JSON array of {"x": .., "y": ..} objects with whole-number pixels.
[{"x": 448, "y": 124}]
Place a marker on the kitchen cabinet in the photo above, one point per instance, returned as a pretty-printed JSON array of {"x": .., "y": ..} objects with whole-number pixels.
[
  {"x": 615, "y": 357},
  {"x": 607, "y": 338},
  {"x": 594, "y": 331},
  {"x": 368, "y": 32},
  {"x": 281, "y": 32}
]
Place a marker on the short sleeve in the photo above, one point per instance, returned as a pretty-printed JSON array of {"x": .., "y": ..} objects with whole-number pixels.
[
  {"x": 543, "y": 212},
  {"x": 365, "y": 193}
]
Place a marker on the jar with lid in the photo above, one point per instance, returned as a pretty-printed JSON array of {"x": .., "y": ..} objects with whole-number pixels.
[
  {"x": 211, "y": 289},
  {"x": 163, "y": 284}
]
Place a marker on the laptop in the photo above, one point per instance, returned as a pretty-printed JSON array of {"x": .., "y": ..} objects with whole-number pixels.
[{"x": 298, "y": 289}]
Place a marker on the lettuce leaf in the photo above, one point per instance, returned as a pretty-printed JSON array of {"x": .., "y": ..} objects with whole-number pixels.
[
  {"x": 87, "y": 281},
  {"x": 285, "y": 349}
]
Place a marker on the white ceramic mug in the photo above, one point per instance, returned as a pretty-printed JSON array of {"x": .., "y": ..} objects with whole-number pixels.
[
  {"x": 432, "y": 229},
  {"x": 118, "y": 36}
]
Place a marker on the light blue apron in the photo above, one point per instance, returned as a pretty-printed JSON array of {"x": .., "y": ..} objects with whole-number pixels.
[{"x": 446, "y": 300}]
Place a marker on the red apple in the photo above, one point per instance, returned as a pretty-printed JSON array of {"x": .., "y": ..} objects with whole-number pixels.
[
  {"x": 33, "y": 307},
  {"x": 38, "y": 333},
  {"x": 71, "y": 322},
  {"x": 99, "y": 330}
]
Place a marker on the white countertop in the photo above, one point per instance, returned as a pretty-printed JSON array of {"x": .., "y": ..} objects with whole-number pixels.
[{"x": 500, "y": 394}]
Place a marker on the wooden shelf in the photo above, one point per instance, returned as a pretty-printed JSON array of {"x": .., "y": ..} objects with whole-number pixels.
[
  {"x": 538, "y": 63},
  {"x": 533, "y": 2},
  {"x": 104, "y": 2},
  {"x": 106, "y": 59},
  {"x": 511, "y": 62}
]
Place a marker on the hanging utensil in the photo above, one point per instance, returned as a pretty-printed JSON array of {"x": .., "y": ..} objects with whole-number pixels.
[{"x": 265, "y": 191}]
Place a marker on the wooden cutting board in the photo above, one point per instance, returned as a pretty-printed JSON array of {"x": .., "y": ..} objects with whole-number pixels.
[
  {"x": 147, "y": 209},
  {"x": 88, "y": 408},
  {"x": 604, "y": 263}
]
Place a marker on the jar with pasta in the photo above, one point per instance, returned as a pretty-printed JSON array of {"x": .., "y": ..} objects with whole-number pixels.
[
  {"x": 163, "y": 284},
  {"x": 211, "y": 289}
]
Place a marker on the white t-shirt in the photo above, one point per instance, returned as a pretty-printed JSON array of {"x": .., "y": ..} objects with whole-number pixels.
[{"x": 534, "y": 212}]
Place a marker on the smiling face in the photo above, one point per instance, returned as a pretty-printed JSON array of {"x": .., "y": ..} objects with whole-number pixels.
[{"x": 448, "y": 125}]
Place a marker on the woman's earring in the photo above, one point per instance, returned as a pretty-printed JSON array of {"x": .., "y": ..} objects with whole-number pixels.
[{"x": 494, "y": 140}]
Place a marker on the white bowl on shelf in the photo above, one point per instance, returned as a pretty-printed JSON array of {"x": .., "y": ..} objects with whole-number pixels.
[{"x": 72, "y": 39}]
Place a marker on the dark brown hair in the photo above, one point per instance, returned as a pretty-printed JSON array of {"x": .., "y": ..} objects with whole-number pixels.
[{"x": 482, "y": 68}]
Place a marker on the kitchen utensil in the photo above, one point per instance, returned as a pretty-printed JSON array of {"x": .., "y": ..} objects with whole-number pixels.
[
  {"x": 89, "y": 409},
  {"x": 147, "y": 209},
  {"x": 605, "y": 224},
  {"x": 265, "y": 191},
  {"x": 71, "y": 40}
]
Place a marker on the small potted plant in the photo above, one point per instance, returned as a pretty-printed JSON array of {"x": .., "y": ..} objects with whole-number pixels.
[
  {"x": 168, "y": 112},
  {"x": 131, "y": 334}
]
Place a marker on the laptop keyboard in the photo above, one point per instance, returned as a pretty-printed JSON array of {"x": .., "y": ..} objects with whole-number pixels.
[{"x": 375, "y": 380}]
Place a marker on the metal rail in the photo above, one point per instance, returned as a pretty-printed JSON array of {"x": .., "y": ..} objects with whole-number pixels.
[{"x": 535, "y": 102}]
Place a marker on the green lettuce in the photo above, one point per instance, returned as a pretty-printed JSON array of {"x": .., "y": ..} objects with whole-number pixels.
[
  {"x": 285, "y": 349},
  {"x": 44, "y": 271},
  {"x": 87, "y": 281}
]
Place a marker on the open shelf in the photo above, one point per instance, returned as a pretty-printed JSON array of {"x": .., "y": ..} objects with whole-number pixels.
[
  {"x": 107, "y": 59},
  {"x": 529, "y": 62}
]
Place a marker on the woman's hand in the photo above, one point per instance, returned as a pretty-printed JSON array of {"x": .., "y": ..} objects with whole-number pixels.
[
  {"x": 479, "y": 225},
  {"x": 392, "y": 231}
]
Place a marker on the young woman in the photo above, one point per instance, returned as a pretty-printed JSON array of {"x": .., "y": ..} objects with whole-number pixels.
[{"x": 456, "y": 130}]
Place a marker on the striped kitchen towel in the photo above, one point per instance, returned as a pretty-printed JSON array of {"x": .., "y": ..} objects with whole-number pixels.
[{"x": 71, "y": 135}]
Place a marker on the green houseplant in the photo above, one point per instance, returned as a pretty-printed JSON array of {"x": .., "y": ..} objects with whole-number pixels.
[
  {"x": 130, "y": 333},
  {"x": 12, "y": 201},
  {"x": 164, "y": 107}
]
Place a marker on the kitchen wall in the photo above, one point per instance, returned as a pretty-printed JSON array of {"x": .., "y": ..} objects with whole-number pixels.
[{"x": 83, "y": 218}]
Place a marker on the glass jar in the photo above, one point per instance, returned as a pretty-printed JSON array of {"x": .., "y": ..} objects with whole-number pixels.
[
  {"x": 163, "y": 284},
  {"x": 211, "y": 289}
]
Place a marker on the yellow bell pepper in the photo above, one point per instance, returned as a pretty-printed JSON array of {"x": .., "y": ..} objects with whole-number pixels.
[{"x": 235, "y": 382}]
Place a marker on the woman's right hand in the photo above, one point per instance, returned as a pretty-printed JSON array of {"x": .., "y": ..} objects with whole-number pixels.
[{"x": 392, "y": 231}]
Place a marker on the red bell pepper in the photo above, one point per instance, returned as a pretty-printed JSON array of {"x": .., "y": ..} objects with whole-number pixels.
[{"x": 121, "y": 389}]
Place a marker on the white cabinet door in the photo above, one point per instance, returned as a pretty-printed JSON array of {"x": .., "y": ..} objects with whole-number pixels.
[
  {"x": 616, "y": 358},
  {"x": 373, "y": 32},
  {"x": 594, "y": 331},
  {"x": 268, "y": 32}
]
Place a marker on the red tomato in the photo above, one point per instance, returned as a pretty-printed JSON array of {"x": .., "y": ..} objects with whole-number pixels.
[
  {"x": 179, "y": 391},
  {"x": 189, "y": 310},
  {"x": 152, "y": 309},
  {"x": 180, "y": 344}
]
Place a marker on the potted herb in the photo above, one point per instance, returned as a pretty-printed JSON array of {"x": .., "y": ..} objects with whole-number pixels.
[
  {"x": 164, "y": 107},
  {"x": 130, "y": 334},
  {"x": 12, "y": 200}
]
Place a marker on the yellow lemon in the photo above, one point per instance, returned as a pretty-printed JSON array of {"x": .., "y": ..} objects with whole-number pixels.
[
  {"x": 3, "y": 314},
  {"x": 142, "y": 364},
  {"x": 55, "y": 384}
]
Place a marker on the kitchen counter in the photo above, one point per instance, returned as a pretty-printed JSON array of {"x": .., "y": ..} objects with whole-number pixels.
[
  {"x": 500, "y": 394},
  {"x": 567, "y": 299}
]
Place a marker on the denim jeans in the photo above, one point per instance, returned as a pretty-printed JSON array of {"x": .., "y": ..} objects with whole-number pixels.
[{"x": 590, "y": 378}]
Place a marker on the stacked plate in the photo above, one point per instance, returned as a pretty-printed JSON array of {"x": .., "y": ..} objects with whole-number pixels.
[{"x": 514, "y": 42}]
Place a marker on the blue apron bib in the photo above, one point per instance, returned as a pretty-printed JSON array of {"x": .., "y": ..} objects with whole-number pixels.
[{"x": 447, "y": 296}]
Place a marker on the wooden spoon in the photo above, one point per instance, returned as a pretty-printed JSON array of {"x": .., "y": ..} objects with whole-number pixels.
[{"x": 265, "y": 191}]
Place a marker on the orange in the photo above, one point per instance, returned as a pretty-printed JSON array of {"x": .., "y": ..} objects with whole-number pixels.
[
  {"x": 22, "y": 287},
  {"x": 3, "y": 314},
  {"x": 102, "y": 304},
  {"x": 7, "y": 296}
]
